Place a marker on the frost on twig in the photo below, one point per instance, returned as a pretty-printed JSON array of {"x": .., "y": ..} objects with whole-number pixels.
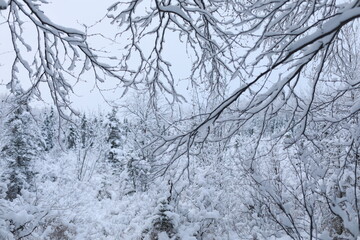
[
  {"x": 255, "y": 57},
  {"x": 274, "y": 50},
  {"x": 52, "y": 55},
  {"x": 3, "y": 4}
]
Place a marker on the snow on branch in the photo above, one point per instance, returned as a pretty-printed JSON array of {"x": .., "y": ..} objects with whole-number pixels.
[
  {"x": 3, "y": 4},
  {"x": 54, "y": 55},
  {"x": 289, "y": 40},
  {"x": 267, "y": 49}
]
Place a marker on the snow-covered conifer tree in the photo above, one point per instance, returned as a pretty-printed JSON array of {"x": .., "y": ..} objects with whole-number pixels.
[
  {"x": 114, "y": 140},
  {"x": 163, "y": 224},
  {"x": 48, "y": 130},
  {"x": 22, "y": 146},
  {"x": 72, "y": 137}
]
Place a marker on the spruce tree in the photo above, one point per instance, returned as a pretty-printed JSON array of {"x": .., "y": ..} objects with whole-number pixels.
[
  {"x": 22, "y": 146},
  {"x": 84, "y": 131},
  {"x": 48, "y": 130},
  {"x": 138, "y": 173},
  {"x": 114, "y": 139},
  {"x": 163, "y": 224},
  {"x": 72, "y": 137}
]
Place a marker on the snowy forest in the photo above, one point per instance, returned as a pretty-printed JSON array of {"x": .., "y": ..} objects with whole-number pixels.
[{"x": 221, "y": 120}]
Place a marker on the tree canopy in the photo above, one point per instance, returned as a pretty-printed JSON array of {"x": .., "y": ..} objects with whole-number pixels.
[{"x": 279, "y": 55}]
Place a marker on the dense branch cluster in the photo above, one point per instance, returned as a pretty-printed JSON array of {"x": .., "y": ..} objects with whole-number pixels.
[
  {"x": 49, "y": 53},
  {"x": 275, "y": 51},
  {"x": 243, "y": 43},
  {"x": 269, "y": 148}
]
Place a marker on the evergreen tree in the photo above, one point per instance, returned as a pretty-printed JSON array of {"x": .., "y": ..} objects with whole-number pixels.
[
  {"x": 84, "y": 131},
  {"x": 163, "y": 226},
  {"x": 114, "y": 139},
  {"x": 22, "y": 146},
  {"x": 72, "y": 137},
  {"x": 138, "y": 173},
  {"x": 48, "y": 130},
  {"x": 80, "y": 135}
]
